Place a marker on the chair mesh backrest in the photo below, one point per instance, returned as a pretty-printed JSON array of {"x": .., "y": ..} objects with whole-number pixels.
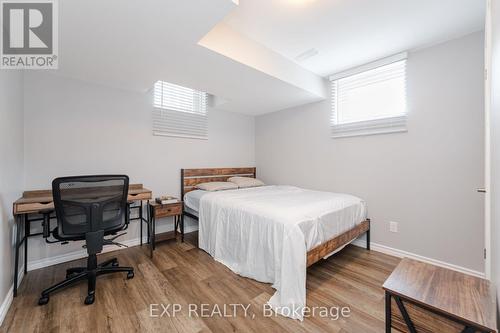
[{"x": 90, "y": 203}]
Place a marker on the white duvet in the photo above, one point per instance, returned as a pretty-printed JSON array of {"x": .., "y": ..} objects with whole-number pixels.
[{"x": 265, "y": 232}]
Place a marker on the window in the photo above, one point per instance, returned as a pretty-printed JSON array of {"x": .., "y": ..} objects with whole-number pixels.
[
  {"x": 370, "y": 99},
  {"x": 179, "y": 111}
]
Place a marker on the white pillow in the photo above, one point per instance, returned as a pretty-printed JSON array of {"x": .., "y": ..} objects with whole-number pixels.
[
  {"x": 244, "y": 182},
  {"x": 217, "y": 186}
]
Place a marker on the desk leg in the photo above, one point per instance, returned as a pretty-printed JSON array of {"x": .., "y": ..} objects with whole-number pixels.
[
  {"x": 128, "y": 211},
  {"x": 182, "y": 227},
  {"x": 148, "y": 211},
  {"x": 176, "y": 222},
  {"x": 405, "y": 315},
  {"x": 141, "y": 221},
  {"x": 388, "y": 317},
  {"x": 26, "y": 235},
  {"x": 153, "y": 232},
  {"x": 17, "y": 225}
]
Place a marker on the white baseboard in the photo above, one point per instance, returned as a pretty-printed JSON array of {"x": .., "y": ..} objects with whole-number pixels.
[
  {"x": 6, "y": 304},
  {"x": 4, "y": 307},
  {"x": 41, "y": 263},
  {"x": 45, "y": 262},
  {"x": 401, "y": 254},
  {"x": 36, "y": 264}
]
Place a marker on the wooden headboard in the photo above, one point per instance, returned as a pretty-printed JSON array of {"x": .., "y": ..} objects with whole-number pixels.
[{"x": 192, "y": 177}]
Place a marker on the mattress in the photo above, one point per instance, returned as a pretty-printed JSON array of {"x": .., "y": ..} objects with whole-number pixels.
[
  {"x": 349, "y": 215},
  {"x": 265, "y": 232},
  {"x": 192, "y": 200}
]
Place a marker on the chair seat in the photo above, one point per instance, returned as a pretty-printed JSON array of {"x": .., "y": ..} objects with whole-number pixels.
[{"x": 55, "y": 234}]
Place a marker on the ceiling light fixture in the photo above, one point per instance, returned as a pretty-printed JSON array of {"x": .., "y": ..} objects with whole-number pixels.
[{"x": 307, "y": 54}]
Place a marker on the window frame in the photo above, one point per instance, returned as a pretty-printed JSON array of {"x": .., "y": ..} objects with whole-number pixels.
[
  {"x": 179, "y": 120},
  {"x": 392, "y": 124}
]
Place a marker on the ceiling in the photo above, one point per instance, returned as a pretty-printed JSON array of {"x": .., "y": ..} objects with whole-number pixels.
[
  {"x": 346, "y": 33},
  {"x": 242, "y": 57},
  {"x": 130, "y": 44}
]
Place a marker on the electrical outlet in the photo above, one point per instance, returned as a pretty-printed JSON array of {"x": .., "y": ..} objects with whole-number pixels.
[{"x": 393, "y": 226}]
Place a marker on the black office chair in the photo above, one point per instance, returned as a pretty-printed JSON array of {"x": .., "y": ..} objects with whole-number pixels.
[{"x": 89, "y": 208}]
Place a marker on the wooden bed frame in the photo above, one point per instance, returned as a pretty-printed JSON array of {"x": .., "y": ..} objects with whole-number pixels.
[{"x": 191, "y": 177}]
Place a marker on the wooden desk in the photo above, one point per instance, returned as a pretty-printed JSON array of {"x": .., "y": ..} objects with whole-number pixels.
[
  {"x": 40, "y": 201},
  {"x": 425, "y": 298},
  {"x": 165, "y": 210}
]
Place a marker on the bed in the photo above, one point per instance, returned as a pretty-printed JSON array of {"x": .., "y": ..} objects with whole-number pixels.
[{"x": 272, "y": 233}]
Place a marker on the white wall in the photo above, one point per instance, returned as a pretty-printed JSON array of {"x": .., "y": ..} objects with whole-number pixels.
[
  {"x": 72, "y": 128},
  {"x": 11, "y": 169},
  {"x": 425, "y": 179}
]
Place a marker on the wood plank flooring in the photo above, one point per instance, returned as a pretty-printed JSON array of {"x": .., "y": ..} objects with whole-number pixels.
[{"x": 182, "y": 274}]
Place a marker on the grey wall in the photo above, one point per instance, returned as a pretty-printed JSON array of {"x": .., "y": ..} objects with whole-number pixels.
[
  {"x": 425, "y": 179},
  {"x": 11, "y": 168},
  {"x": 495, "y": 143},
  {"x": 72, "y": 128}
]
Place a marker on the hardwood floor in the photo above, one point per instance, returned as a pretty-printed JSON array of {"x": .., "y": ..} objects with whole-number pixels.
[{"x": 182, "y": 274}]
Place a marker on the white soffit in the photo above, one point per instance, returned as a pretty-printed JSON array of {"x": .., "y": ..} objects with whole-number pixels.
[
  {"x": 130, "y": 44},
  {"x": 232, "y": 44}
]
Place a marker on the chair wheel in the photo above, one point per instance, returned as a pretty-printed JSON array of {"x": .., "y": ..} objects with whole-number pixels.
[
  {"x": 43, "y": 300},
  {"x": 115, "y": 264},
  {"x": 89, "y": 299},
  {"x": 130, "y": 275},
  {"x": 68, "y": 275}
]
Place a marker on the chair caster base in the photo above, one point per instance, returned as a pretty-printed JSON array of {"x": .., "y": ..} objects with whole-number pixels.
[
  {"x": 89, "y": 299},
  {"x": 130, "y": 275},
  {"x": 43, "y": 300}
]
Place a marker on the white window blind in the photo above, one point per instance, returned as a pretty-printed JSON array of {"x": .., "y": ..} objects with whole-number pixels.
[
  {"x": 370, "y": 101},
  {"x": 179, "y": 111}
]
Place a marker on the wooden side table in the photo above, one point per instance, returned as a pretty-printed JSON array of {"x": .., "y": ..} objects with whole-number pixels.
[
  {"x": 420, "y": 297},
  {"x": 165, "y": 210}
]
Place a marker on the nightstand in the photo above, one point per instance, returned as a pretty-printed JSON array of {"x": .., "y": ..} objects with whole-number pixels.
[{"x": 165, "y": 210}]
